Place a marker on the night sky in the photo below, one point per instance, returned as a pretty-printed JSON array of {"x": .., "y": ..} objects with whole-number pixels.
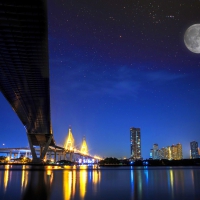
[{"x": 116, "y": 64}]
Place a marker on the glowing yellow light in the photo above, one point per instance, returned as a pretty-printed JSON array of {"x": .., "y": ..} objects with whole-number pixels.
[
  {"x": 73, "y": 183},
  {"x": 6, "y": 175},
  {"x": 24, "y": 179},
  {"x": 83, "y": 182},
  {"x": 98, "y": 158},
  {"x": 96, "y": 175},
  {"x": 67, "y": 167},
  {"x": 171, "y": 178},
  {"x": 74, "y": 167},
  {"x": 7, "y": 166},
  {"x": 84, "y": 147},
  {"x": 83, "y": 166},
  {"x": 67, "y": 184},
  {"x": 49, "y": 172},
  {"x": 69, "y": 142}
]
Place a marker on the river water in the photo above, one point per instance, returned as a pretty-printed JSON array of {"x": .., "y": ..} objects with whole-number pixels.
[{"x": 105, "y": 183}]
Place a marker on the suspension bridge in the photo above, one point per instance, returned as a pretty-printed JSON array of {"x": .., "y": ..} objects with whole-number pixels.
[{"x": 68, "y": 151}]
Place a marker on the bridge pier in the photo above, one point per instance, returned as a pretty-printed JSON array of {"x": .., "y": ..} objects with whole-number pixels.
[
  {"x": 59, "y": 155},
  {"x": 55, "y": 155},
  {"x": 71, "y": 156},
  {"x": 43, "y": 149},
  {"x": 64, "y": 155}
]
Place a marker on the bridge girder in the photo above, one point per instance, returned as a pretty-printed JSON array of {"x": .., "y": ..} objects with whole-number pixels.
[{"x": 24, "y": 66}]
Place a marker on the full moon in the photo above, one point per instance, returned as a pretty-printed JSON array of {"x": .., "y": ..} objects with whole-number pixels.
[{"x": 192, "y": 38}]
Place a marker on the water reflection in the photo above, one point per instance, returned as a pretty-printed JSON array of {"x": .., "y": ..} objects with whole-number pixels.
[
  {"x": 146, "y": 173},
  {"x": 39, "y": 184},
  {"x": 96, "y": 178},
  {"x": 70, "y": 183},
  {"x": 6, "y": 176},
  {"x": 24, "y": 178},
  {"x": 83, "y": 182},
  {"x": 171, "y": 181},
  {"x": 75, "y": 181},
  {"x": 136, "y": 183},
  {"x": 168, "y": 183}
]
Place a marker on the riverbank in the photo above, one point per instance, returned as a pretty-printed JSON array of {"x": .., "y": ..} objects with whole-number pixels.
[{"x": 150, "y": 162}]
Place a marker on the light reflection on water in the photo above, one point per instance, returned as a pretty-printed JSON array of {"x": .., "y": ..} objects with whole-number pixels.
[
  {"x": 6, "y": 177},
  {"x": 24, "y": 179},
  {"x": 74, "y": 183}
]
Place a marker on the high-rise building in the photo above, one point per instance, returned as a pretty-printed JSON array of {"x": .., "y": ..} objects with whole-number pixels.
[
  {"x": 174, "y": 152},
  {"x": 168, "y": 154},
  {"x": 151, "y": 153},
  {"x": 155, "y": 151},
  {"x": 135, "y": 138},
  {"x": 162, "y": 153},
  {"x": 194, "y": 149},
  {"x": 179, "y": 152}
]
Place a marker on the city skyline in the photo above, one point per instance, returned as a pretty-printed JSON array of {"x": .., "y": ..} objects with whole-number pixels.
[
  {"x": 170, "y": 152},
  {"x": 117, "y": 65}
]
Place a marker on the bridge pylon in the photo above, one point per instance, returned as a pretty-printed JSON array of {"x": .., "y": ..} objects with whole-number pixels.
[
  {"x": 84, "y": 147},
  {"x": 69, "y": 144},
  {"x": 69, "y": 141}
]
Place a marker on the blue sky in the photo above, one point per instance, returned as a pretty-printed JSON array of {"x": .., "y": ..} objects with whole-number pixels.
[{"x": 116, "y": 65}]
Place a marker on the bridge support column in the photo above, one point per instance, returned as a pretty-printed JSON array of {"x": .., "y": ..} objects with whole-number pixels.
[
  {"x": 34, "y": 156},
  {"x": 55, "y": 155},
  {"x": 19, "y": 155},
  {"x": 60, "y": 155},
  {"x": 49, "y": 155},
  {"x": 71, "y": 156},
  {"x": 64, "y": 155},
  {"x": 43, "y": 149}
]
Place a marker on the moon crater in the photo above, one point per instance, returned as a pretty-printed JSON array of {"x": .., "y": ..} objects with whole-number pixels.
[{"x": 192, "y": 38}]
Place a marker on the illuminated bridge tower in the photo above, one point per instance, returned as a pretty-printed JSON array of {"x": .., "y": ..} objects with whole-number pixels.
[
  {"x": 69, "y": 143},
  {"x": 84, "y": 147}
]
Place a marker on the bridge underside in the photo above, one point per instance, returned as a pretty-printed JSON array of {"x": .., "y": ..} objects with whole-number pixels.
[{"x": 24, "y": 67}]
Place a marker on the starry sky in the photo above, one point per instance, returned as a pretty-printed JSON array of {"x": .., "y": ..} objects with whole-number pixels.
[{"x": 116, "y": 64}]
